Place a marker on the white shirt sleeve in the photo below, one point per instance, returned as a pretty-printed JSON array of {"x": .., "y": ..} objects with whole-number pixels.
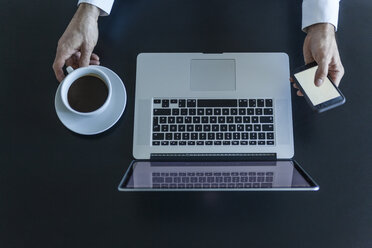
[
  {"x": 319, "y": 11},
  {"x": 104, "y": 5}
]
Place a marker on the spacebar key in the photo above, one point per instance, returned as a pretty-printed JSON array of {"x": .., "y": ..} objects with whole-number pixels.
[{"x": 217, "y": 103}]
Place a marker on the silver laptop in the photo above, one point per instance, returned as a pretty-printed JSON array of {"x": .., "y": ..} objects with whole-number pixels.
[{"x": 213, "y": 107}]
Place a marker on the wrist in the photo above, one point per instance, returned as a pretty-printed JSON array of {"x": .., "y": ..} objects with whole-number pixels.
[
  {"x": 86, "y": 10},
  {"x": 321, "y": 27}
]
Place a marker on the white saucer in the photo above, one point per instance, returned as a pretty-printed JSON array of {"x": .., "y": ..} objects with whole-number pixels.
[{"x": 89, "y": 125}]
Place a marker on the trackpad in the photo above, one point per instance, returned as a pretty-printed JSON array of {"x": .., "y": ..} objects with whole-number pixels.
[{"x": 212, "y": 75}]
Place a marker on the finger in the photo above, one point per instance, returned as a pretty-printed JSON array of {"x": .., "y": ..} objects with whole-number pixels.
[
  {"x": 94, "y": 62},
  {"x": 58, "y": 64},
  {"x": 94, "y": 57},
  {"x": 291, "y": 80},
  {"x": 295, "y": 86},
  {"x": 321, "y": 73},
  {"x": 299, "y": 93},
  {"x": 85, "y": 57}
]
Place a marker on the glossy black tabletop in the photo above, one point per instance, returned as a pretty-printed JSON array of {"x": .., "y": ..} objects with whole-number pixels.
[{"x": 59, "y": 189}]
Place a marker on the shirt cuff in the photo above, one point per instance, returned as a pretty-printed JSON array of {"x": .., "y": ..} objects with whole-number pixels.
[
  {"x": 104, "y": 5},
  {"x": 319, "y": 11}
]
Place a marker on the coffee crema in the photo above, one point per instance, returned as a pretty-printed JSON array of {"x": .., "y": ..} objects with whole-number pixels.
[{"x": 87, "y": 93}]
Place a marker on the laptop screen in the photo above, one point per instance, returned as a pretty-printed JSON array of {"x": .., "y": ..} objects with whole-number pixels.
[{"x": 231, "y": 175}]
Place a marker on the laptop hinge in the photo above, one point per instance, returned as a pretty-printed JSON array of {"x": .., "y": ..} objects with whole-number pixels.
[{"x": 213, "y": 156}]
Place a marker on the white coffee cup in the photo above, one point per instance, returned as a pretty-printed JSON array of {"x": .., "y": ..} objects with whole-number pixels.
[{"x": 73, "y": 75}]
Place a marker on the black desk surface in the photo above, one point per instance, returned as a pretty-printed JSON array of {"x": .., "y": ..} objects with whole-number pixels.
[{"x": 58, "y": 189}]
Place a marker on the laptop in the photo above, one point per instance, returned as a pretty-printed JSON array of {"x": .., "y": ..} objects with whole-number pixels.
[{"x": 224, "y": 119}]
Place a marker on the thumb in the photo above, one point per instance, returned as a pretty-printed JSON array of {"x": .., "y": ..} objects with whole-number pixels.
[
  {"x": 321, "y": 73},
  {"x": 85, "y": 57}
]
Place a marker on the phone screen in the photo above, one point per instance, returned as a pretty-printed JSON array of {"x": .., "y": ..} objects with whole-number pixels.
[{"x": 317, "y": 95}]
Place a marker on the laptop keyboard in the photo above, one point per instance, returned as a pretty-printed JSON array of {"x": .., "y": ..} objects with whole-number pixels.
[
  {"x": 218, "y": 122},
  {"x": 212, "y": 180}
]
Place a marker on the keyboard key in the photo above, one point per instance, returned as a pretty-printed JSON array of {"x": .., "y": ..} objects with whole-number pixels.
[
  {"x": 215, "y": 128},
  {"x": 266, "y": 119},
  {"x": 232, "y": 127},
  {"x": 173, "y": 101},
  {"x": 156, "y": 128},
  {"x": 243, "y": 103},
  {"x": 261, "y": 135},
  {"x": 257, "y": 127},
  {"x": 165, "y": 103},
  {"x": 227, "y": 136},
  {"x": 211, "y": 136},
  {"x": 171, "y": 119},
  {"x": 226, "y": 143},
  {"x": 234, "y": 111},
  {"x": 268, "y": 111},
  {"x": 207, "y": 128},
  {"x": 157, "y": 136},
  {"x": 191, "y": 143},
  {"x": 162, "y": 112},
  {"x": 221, "y": 119},
  {"x": 260, "y": 103},
  {"x": 185, "y": 136},
  {"x": 244, "y": 136},
  {"x": 182, "y": 103},
  {"x": 270, "y": 135},
  {"x": 177, "y": 136},
  {"x": 168, "y": 136},
  {"x": 209, "y": 143},
  {"x": 238, "y": 119},
  {"x": 165, "y": 143},
  {"x": 236, "y": 136},
  {"x": 266, "y": 185},
  {"x": 173, "y": 143},
  {"x": 223, "y": 128},
  {"x": 242, "y": 111},
  {"x": 200, "y": 143},
  {"x": 250, "y": 111},
  {"x": 268, "y": 127},
  {"x": 205, "y": 119},
  {"x": 270, "y": 142},
  {"x": 252, "y": 142},
  {"x": 229, "y": 119},
  {"x": 235, "y": 143},
  {"x": 188, "y": 119},
  {"x": 243, "y": 142},
  {"x": 253, "y": 136},
  {"x": 269, "y": 102},
  {"x": 173, "y": 128},
  {"x": 202, "y": 136},
  {"x": 240, "y": 128},
  {"x": 194, "y": 136},
  {"x": 255, "y": 119},
  {"x": 252, "y": 103},
  {"x": 191, "y": 103},
  {"x": 248, "y": 128},
  {"x": 183, "y": 111},
  {"x": 213, "y": 119},
  {"x": 175, "y": 111},
  {"x": 217, "y": 111},
  {"x": 190, "y": 128},
  {"x": 200, "y": 111},
  {"x": 181, "y": 128},
  {"x": 182, "y": 143},
  {"x": 157, "y": 101},
  {"x": 219, "y": 136},
  {"x": 258, "y": 111},
  {"x": 192, "y": 111},
  {"x": 198, "y": 128},
  {"x": 164, "y": 128},
  {"x": 209, "y": 111},
  {"x": 217, "y": 143},
  {"x": 156, "y": 143},
  {"x": 246, "y": 119},
  {"x": 261, "y": 142},
  {"x": 225, "y": 111},
  {"x": 179, "y": 119}
]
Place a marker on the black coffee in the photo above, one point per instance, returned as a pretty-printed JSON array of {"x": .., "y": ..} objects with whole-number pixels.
[{"x": 87, "y": 94}]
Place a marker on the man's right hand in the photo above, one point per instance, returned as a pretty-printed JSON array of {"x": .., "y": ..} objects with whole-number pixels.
[{"x": 76, "y": 45}]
